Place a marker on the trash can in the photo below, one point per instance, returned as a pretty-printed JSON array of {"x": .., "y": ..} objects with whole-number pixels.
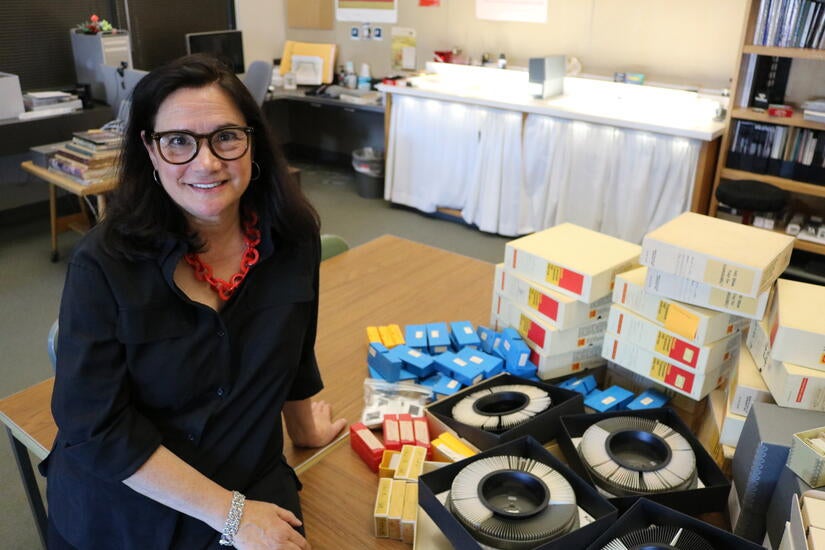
[{"x": 369, "y": 172}]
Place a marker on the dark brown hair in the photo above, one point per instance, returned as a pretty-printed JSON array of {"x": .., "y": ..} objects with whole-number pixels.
[{"x": 140, "y": 215}]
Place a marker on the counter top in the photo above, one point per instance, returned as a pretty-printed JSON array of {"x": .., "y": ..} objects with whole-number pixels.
[
  {"x": 300, "y": 95},
  {"x": 660, "y": 110}
]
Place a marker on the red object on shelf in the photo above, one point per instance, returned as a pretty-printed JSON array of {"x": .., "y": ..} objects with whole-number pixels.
[
  {"x": 445, "y": 56},
  {"x": 783, "y": 111}
]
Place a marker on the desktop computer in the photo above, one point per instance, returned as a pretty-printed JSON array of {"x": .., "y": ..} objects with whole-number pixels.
[{"x": 91, "y": 50}]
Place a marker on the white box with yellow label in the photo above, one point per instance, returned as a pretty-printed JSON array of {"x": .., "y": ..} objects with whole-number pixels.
[
  {"x": 695, "y": 323},
  {"x": 545, "y": 338},
  {"x": 666, "y": 373},
  {"x": 704, "y": 295},
  {"x": 796, "y": 323},
  {"x": 746, "y": 385},
  {"x": 572, "y": 260},
  {"x": 723, "y": 254},
  {"x": 553, "y": 307},
  {"x": 642, "y": 332}
]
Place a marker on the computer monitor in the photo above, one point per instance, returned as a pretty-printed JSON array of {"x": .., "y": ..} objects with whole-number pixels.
[{"x": 225, "y": 45}]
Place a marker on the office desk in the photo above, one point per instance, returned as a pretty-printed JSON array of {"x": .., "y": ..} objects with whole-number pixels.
[
  {"x": 387, "y": 280},
  {"x": 79, "y": 221}
]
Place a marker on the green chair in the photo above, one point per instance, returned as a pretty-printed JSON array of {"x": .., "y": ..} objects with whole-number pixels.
[{"x": 332, "y": 245}]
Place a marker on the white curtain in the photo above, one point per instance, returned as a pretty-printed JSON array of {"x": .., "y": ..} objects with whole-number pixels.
[{"x": 510, "y": 174}]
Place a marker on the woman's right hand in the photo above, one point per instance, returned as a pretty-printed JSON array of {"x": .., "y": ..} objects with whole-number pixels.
[{"x": 267, "y": 526}]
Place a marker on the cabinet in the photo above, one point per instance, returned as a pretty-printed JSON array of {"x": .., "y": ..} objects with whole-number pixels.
[{"x": 807, "y": 189}]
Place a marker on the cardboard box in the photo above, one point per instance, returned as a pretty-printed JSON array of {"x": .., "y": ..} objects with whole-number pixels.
[
  {"x": 545, "y": 338},
  {"x": 664, "y": 372},
  {"x": 706, "y": 296},
  {"x": 731, "y": 427},
  {"x": 710, "y": 429},
  {"x": 710, "y": 498},
  {"x": 725, "y": 255},
  {"x": 813, "y": 509},
  {"x": 552, "y": 307},
  {"x": 588, "y": 499},
  {"x": 572, "y": 260},
  {"x": 645, "y": 513},
  {"x": 806, "y": 460},
  {"x": 779, "y": 509},
  {"x": 544, "y": 426},
  {"x": 759, "y": 459},
  {"x": 669, "y": 345},
  {"x": 746, "y": 385},
  {"x": 698, "y": 324},
  {"x": 11, "y": 96},
  {"x": 797, "y": 325}
]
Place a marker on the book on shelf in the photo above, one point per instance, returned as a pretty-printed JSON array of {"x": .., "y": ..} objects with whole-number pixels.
[
  {"x": 92, "y": 161},
  {"x": 790, "y": 24}
]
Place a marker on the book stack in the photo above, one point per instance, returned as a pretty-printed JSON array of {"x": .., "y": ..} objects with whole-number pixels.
[
  {"x": 52, "y": 102},
  {"x": 789, "y": 345},
  {"x": 90, "y": 156},
  {"x": 554, "y": 287},
  {"x": 790, "y": 24},
  {"x": 686, "y": 349},
  {"x": 814, "y": 109}
]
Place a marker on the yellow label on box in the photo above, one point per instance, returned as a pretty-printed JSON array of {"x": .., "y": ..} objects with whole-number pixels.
[
  {"x": 728, "y": 276},
  {"x": 659, "y": 369},
  {"x": 534, "y": 298},
  {"x": 677, "y": 319},
  {"x": 524, "y": 325},
  {"x": 554, "y": 274},
  {"x": 664, "y": 343}
]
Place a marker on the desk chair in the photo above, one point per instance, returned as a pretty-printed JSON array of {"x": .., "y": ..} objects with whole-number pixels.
[
  {"x": 331, "y": 245},
  {"x": 258, "y": 78}
]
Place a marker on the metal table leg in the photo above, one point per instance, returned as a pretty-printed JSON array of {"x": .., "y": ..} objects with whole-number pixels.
[{"x": 24, "y": 464}]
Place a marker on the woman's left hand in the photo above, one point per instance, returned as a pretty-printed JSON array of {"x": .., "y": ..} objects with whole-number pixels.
[{"x": 309, "y": 423}]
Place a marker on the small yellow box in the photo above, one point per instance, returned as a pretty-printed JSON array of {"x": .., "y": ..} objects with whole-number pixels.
[
  {"x": 389, "y": 463},
  {"x": 382, "y": 506},
  {"x": 409, "y": 513},
  {"x": 373, "y": 335},
  {"x": 396, "y": 507}
]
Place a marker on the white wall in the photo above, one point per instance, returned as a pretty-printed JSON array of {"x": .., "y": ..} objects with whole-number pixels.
[
  {"x": 691, "y": 42},
  {"x": 263, "y": 23}
]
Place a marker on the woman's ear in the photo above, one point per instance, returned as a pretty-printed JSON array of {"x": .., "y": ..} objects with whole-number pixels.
[{"x": 150, "y": 148}]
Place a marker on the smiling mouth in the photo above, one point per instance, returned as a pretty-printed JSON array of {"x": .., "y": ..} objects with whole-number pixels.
[{"x": 210, "y": 185}]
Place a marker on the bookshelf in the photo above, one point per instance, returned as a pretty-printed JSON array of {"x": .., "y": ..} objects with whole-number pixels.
[{"x": 775, "y": 26}]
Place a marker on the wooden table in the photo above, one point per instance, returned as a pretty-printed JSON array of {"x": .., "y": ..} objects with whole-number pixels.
[
  {"x": 79, "y": 221},
  {"x": 388, "y": 280}
]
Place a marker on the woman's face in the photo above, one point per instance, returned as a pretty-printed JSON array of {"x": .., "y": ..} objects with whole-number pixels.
[{"x": 207, "y": 188}]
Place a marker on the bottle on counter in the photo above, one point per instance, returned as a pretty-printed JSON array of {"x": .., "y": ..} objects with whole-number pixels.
[
  {"x": 350, "y": 78},
  {"x": 502, "y": 61},
  {"x": 364, "y": 78}
]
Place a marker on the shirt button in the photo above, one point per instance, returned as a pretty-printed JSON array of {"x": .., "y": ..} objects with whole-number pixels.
[
  {"x": 191, "y": 437},
  {"x": 221, "y": 333},
  {"x": 220, "y": 392}
]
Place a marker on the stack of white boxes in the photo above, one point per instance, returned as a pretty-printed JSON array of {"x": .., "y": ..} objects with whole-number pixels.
[
  {"x": 745, "y": 388},
  {"x": 701, "y": 273},
  {"x": 684, "y": 348},
  {"x": 554, "y": 287},
  {"x": 789, "y": 345}
]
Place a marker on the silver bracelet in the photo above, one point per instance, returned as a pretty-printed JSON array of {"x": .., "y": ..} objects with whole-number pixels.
[{"x": 233, "y": 520}]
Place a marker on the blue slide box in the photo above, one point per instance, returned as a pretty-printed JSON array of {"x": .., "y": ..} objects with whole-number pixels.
[
  {"x": 487, "y": 336},
  {"x": 648, "y": 399},
  {"x": 462, "y": 335},
  {"x": 415, "y": 336},
  {"x": 451, "y": 365},
  {"x": 490, "y": 365},
  {"x": 380, "y": 359},
  {"x": 402, "y": 375},
  {"x": 438, "y": 337},
  {"x": 613, "y": 398},
  {"x": 415, "y": 361}
]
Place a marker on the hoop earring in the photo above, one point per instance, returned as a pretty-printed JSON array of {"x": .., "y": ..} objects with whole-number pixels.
[
  {"x": 258, "y": 175},
  {"x": 156, "y": 176}
]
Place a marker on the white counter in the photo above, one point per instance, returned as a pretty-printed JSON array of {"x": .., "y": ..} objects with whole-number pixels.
[{"x": 665, "y": 111}]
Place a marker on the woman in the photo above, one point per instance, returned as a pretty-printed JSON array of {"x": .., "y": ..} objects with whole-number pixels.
[{"x": 187, "y": 326}]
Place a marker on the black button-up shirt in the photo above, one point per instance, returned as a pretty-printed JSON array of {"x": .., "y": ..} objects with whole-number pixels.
[{"x": 140, "y": 365}]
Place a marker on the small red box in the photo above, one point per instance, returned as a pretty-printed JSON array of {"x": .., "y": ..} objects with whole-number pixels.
[{"x": 784, "y": 111}]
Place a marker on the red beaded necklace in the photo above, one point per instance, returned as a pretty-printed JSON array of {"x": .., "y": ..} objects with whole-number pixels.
[{"x": 203, "y": 271}]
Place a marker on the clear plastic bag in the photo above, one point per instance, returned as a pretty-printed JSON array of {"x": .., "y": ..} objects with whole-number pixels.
[{"x": 381, "y": 397}]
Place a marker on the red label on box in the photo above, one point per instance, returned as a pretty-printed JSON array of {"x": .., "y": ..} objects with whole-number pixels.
[
  {"x": 572, "y": 281},
  {"x": 684, "y": 353},
  {"x": 548, "y": 306}
]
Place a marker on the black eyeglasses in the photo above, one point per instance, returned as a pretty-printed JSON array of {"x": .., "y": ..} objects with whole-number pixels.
[{"x": 181, "y": 146}]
